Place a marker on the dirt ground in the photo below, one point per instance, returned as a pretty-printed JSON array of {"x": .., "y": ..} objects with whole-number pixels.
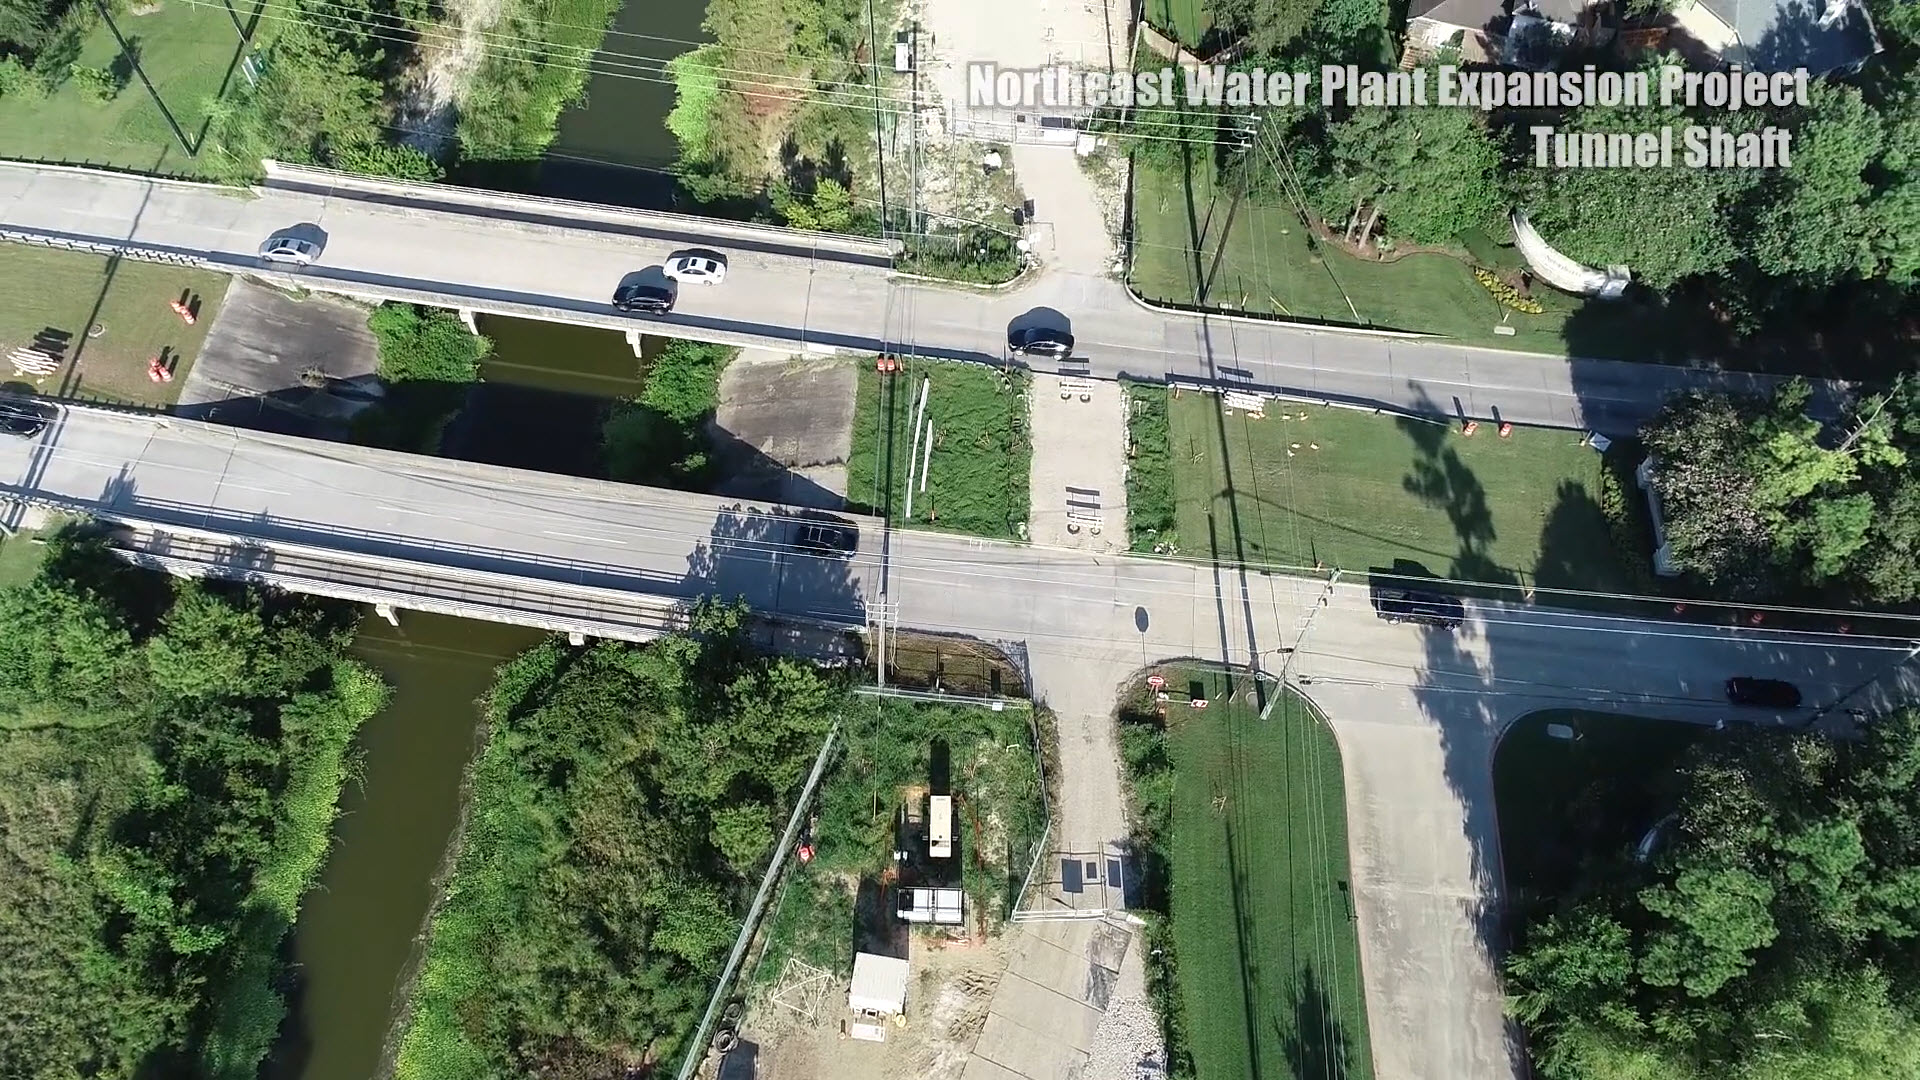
[
  {"x": 262, "y": 364},
  {"x": 947, "y": 1002}
]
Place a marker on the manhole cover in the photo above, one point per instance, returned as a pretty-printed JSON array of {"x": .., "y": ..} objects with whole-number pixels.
[{"x": 96, "y": 330}]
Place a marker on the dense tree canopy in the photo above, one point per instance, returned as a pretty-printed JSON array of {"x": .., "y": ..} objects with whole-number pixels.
[
  {"x": 1761, "y": 499},
  {"x": 170, "y": 756},
  {"x": 625, "y": 797},
  {"x": 1430, "y": 172},
  {"x": 1775, "y": 932}
]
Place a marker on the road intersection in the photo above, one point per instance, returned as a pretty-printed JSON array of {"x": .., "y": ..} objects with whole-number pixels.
[{"x": 1416, "y": 712}]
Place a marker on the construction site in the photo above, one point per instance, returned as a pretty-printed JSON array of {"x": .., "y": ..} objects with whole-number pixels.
[{"x": 884, "y": 947}]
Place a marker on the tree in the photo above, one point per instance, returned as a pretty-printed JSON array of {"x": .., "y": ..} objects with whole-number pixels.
[
  {"x": 206, "y": 647},
  {"x": 742, "y": 834},
  {"x": 1430, "y": 171},
  {"x": 1665, "y": 224},
  {"x": 1820, "y": 224}
]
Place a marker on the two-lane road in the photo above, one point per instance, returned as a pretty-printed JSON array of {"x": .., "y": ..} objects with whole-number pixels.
[
  {"x": 565, "y": 261},
  {"x": 1416, "y": 712}
]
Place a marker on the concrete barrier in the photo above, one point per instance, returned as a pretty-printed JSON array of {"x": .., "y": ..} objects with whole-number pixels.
[{"x": 457, "y": 199}]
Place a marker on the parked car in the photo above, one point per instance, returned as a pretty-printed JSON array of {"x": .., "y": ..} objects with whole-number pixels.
[
  {"x": 1763, "y": 693},
  {"x": 1040, "y": 341},
  {"x": 1439, "y": 610},
  {"x": 643, "y": 298},
  {"x": 827, "y": 538},
  {"x": 21, "y": 419},
  {"x": 698, "y": 269},
  {"x": 290, "y": 250}
]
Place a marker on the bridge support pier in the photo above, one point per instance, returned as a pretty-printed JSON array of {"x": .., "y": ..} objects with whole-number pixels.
[
  {"x": 633, "y": 340},
  {"x": 575, "y": 637},
  {"x": 386, "y": 612},
  {"x": 473, "y": 325}
]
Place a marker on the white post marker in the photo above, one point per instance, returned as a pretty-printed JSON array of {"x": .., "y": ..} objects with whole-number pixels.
[
  {"x": 926, "y": 457},
  {"x": 913, "y": 450}
]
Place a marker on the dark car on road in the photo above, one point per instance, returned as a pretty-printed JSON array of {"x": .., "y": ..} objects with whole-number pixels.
[
  {"x": 1763, "y": 693},
  {"x": 22, "y": 420},
  {"x": 827, "y": 538},
  {"x": 1439, "y": 610},
  {"x": 1040, "y": 341},
  {"x": 644, "y": 299}
]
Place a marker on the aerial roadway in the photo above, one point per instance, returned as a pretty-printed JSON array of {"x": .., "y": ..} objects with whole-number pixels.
[
  {"x": 1417, "y": 709},
  {"x": 561, "y": 261}
]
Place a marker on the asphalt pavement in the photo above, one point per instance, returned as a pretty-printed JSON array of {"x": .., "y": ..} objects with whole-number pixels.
[
  {"x": 783, "y": 296},
  {"x": 1417, "y": 712}
]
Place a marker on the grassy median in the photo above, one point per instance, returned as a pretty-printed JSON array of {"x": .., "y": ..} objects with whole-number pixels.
[
  {"x": 1308, "y": 485},
  {"x": 1244, "y": 821},
  {"x": 978, "y": 469}
]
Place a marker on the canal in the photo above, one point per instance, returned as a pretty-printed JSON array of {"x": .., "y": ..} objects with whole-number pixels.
[
  {"x": 358, "y": 929},
  {"x": 545, "y": 392},
  {"x": 615, "y": 147}
]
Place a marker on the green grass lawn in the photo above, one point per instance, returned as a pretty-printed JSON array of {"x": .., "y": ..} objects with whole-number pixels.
[
  {"x": 1185, "y": 20},
  {"x": 1269, "y": 267},
  {"x": 1561, "y": 801},
  {"x": 1365, "y": 491},
  {"x": 1269, "y": 961},
  {"x": 58, "y": 295},
  {"x": 978, "y": 473},
  {"x": 190, "y": 53}
]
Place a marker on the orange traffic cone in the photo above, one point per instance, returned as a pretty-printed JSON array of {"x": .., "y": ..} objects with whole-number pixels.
[
  {"x": 1506, "y": 431},
  {"x": 154, "y": 369},
  {"x": 1472, "y": 426}
]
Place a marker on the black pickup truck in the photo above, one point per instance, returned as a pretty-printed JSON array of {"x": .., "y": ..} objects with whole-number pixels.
[{"x": 1398, "y": 605}]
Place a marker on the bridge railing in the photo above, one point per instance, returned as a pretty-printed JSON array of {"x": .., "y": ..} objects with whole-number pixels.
[{"x": 279, "y": 172}]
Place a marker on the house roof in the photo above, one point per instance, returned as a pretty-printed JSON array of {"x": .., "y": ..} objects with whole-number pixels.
[
  {"x": 1472, "y": 14},
  {"x": 1783, "y": 34}
]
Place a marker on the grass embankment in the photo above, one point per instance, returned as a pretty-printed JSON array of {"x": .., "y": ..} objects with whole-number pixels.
[
  {"x": 1562, "y": 800},
  {"x": 519, "y": 91},
  {"x": 189, "y": 53},
  {"x": 660, "y": 437},
  {"x": 982, "y": 451},
  {"x": 429, "y": 362},
  {"x": 1242, "y": 826},
  {"x": 1186, "y": 21},
  {"x": 889, "y": 761},
  {"x": 54, "y": 297},
  {"x": 1272, "y": 265},
  {"x": 1358, "y": 491},
  {"x": 171, "y": 756},
  {"x": 618, "y": 818},
  {"x": 1151, "y": 502}
]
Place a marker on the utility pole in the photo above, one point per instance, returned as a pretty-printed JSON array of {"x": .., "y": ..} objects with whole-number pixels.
[
  {"x": 879, "y": 143},
  {"x": 1301, "y": 630}
]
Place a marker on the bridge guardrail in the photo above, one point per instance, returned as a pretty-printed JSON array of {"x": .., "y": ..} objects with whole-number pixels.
[{"x": 452, "y": 195}]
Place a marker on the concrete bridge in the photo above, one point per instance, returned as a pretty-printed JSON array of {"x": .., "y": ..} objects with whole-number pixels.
[{"x": 486, "y": 252}]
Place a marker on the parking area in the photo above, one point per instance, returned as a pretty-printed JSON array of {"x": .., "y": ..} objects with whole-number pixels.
[
  {"x": 1079, "y": 463},
  {"x": 784, "y": 428}
]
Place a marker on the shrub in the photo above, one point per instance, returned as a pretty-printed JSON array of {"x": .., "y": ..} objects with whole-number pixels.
[
  {"x": 96, "y": 84},
  {"x": 1505, "y": 294}
]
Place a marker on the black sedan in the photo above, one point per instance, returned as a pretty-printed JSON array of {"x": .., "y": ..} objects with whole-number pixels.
[
  {"x": 644, "y": 299},
  {"x": 1040, "y": 341},
  {"x": 22, "y": 420},
  {"x": 1763, "y": 693}
]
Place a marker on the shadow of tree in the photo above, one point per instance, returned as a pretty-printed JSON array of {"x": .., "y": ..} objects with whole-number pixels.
[{"x": 1317, "y": 1045}]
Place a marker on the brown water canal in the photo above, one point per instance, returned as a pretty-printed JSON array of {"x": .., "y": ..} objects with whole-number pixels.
[
  {"x": 358, "y": 930},
  {"x": 546, "y": 390}
]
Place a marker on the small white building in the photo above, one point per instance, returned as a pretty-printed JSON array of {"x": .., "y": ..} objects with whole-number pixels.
[
  {"x": 940, "y": 827},
  {"x": 943, "y": 907},
  {"x": 879, "y": 985}
]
